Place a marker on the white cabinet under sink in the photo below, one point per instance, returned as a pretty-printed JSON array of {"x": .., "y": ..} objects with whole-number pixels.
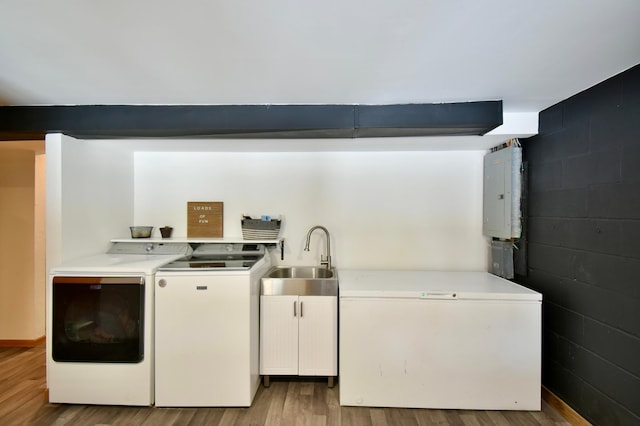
[{"x": 298, "y": 336}]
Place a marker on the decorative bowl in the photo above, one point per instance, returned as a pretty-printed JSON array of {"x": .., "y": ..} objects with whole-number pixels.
[{"x": 141, "y": 231}]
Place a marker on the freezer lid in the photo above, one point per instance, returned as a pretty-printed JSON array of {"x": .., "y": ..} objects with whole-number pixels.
[{"x": 431, "y": 285}]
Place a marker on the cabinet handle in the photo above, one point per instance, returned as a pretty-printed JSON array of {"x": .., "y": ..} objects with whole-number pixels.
[
  {"x": 301, "y": 314},
  {"x": 295, "y": 314}
]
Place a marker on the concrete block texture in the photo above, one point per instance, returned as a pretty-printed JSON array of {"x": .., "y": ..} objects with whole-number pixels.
[{"x": 583, "y": 239}]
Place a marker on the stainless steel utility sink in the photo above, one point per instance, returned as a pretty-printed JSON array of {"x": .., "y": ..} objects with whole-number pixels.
[
  {"x": 300, "y": 272},
  {"x": 300, "y": 281}
]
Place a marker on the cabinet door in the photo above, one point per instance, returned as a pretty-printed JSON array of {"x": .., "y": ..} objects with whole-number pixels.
[
  {"x": 279, "y": 334},
  {"x": 318, "y": 336}
]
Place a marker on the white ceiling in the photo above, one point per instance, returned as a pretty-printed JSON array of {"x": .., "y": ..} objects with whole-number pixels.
[{"x": 530, "y": 54}]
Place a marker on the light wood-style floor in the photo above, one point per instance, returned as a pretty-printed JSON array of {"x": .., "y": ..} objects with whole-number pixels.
[{"x": 285, "y": 402}]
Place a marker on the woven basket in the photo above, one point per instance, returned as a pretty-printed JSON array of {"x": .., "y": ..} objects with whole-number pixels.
[{"x": 257, "y": 229}]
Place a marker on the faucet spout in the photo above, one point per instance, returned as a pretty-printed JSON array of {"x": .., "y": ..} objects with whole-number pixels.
[{"x": 324, "y": 261}]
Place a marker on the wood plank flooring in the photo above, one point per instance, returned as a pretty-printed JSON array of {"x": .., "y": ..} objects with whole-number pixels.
[{"x": 285, "y": 402}]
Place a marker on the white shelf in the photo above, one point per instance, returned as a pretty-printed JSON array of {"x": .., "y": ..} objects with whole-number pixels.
[{"x": 228, "y": 240}]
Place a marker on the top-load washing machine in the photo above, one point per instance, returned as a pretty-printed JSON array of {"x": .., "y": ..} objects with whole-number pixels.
[
  {"x": 99, "y": 325},
  {"x": 207, "y": 326}
]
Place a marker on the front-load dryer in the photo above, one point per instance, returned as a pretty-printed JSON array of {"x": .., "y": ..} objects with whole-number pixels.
[{"x": 100, "y": 325}]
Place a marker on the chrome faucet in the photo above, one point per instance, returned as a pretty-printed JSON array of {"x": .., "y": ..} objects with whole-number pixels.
[{"x": 324, "y": 261}]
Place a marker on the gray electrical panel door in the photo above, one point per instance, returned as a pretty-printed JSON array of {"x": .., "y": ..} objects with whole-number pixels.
[{"x": 501, "y": 201}]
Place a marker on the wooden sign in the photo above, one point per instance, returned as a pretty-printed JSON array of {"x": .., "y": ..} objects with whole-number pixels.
[{"x": 204, "y": 219}]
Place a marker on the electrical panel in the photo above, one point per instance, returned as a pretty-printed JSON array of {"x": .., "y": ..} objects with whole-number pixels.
[{"x": 502, "y": 190}]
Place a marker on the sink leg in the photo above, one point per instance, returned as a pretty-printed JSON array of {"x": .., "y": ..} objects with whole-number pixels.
[
  {"x": 266, "y": 381},
  {"x": 330, "y": 381}
]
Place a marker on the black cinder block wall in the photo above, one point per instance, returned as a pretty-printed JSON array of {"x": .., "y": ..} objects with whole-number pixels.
[{"x": 583, "y": 240}]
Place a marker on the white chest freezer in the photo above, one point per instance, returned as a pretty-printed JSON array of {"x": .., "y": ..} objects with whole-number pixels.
[{"x": 448, "y": 340}]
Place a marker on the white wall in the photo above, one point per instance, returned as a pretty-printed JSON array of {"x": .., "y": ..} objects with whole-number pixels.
[
  {"x": 89, "y": 196},
  {"x": 383, "y": 209}
]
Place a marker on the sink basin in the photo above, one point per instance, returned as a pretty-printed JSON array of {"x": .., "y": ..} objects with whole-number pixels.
[
  {"x": 300, "y": 281},
  {"x": 300, "y": 272}
]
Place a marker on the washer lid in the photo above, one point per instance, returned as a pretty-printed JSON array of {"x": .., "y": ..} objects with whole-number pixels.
[
  {"x": 437, "y": 285},
  {"x": 209, "y": 265}
]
